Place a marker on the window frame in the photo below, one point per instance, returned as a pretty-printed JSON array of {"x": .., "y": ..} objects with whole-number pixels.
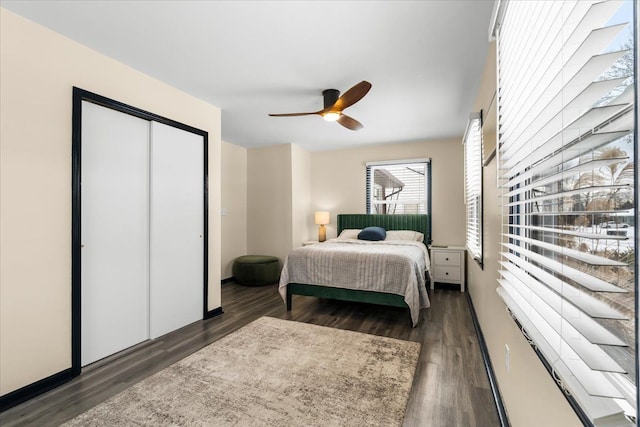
[
  {"x": 473, "y": 181},
  {"x": 371, "y": 166}
]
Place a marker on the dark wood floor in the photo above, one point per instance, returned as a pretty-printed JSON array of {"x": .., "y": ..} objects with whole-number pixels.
[{"x": 450, "y": 386}]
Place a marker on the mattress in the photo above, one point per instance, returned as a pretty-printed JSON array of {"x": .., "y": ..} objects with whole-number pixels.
[{"x": 390, "y": 266}]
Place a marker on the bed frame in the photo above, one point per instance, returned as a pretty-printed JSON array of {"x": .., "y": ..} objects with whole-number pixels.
[{"x": 415, "y": 222}]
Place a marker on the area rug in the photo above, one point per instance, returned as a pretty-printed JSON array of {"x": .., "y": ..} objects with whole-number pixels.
[{"x": 273, "y": 372}]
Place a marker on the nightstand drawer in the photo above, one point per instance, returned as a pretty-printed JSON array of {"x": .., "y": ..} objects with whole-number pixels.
[
  {"x": 446, "y": 273},
  {"x": 447, "y": 258}
]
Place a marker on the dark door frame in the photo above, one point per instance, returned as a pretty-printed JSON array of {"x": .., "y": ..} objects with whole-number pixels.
[{"x": 80, "y": 95}]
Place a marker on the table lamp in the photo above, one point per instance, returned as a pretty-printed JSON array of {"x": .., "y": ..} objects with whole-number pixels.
[{"x": 322, "y": 218}]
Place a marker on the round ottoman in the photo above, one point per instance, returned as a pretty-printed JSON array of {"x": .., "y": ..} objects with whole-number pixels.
[{"x": 256, "y": 270}]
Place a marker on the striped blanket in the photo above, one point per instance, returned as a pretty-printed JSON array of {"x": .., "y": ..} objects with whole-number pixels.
[{"x": 390, "y": 266}]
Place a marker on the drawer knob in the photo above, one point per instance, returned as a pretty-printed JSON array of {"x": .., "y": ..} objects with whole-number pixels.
[
  {"x": 446, "y": 273},
  {"x": 447, "y": 259}
]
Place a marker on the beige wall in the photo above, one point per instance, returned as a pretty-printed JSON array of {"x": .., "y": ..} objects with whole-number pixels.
[
  {"x": 279, "y": 195},
  {"x": 287, "y": 184},
  {"x": 269, "y": 201},
  {"x": 301, "y": 214},
  {"x": 234, "y": 203},
  {"x": 338, "y": 183},
  {"x": 529, "y": 393},
  {"x": 38, "y": 69}
]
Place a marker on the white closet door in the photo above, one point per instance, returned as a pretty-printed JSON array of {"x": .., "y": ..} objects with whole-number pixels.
[
  {"x": 115, "y": 232},
  {"x": 177, "y": 228}
]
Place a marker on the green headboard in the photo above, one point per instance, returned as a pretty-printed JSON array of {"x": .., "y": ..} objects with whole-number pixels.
[{"x": 415, "y": 222}]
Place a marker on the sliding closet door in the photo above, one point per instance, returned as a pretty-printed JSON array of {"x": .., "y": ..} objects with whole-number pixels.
[
  {"x": 177, "y": 228},
  {"x": 115, "y": 232}
]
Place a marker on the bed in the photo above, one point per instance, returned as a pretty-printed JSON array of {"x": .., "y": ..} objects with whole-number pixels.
[{"x": 390, "y": 272}]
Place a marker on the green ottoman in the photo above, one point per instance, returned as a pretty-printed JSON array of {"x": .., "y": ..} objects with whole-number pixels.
[{"x": 256, "y": 270}]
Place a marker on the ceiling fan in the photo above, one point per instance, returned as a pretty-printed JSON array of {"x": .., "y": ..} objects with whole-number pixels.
[{"x": 334, "y": 104}]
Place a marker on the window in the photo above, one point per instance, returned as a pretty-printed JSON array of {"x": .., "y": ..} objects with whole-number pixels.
[
  {"x": 473, "y": 185},
  {"x": 567, "y": 170},
  {"x": 399, "y": 187}
]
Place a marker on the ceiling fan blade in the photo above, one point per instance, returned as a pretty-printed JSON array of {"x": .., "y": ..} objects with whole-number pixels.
[
  {"x": 295, "y": 114},
  {"x": 352, "y": 96},
  {"x": 349, "y": 122}
]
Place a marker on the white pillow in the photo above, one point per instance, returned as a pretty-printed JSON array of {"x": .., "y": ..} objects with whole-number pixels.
[
  {"x": 349, "y": 233},
  {"x": 405, "y": 235}
]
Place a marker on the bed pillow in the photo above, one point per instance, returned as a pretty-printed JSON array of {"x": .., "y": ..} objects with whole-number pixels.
[
  {"x": 405, "y": 235},
  {"x": 372, "y": 233},
  {"x": 349, "y": 233}
]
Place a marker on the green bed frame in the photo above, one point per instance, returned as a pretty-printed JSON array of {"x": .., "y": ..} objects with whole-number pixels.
[{"x": 415, "y": 222}]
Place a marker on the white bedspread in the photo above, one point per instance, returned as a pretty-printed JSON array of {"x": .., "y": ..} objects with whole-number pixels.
[{"x": 391, "y": 266}]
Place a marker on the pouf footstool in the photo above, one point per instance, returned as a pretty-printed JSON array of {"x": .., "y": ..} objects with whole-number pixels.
[{"x": 256, "y": 270}]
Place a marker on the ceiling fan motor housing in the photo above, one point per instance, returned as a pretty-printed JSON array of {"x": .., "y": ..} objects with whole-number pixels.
[{"x": 330, "y": 97}]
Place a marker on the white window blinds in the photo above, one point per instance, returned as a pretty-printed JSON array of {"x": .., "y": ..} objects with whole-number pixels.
[
  {"x": 473, "y": 185},
  {"x": 567, "y": 172}
]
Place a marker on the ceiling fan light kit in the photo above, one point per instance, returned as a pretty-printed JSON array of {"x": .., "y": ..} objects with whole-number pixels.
[
  {"x": 334, "y": 104},
  {"x": 331, "y": 116}
]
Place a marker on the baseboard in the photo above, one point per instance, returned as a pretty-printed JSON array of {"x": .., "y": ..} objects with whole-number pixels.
[
  {"x": 228, "y": 280},
  {"x": 493, "y": 383},
  {"x": 213, "y": 313},
  {"x": 30, "y": 391}
]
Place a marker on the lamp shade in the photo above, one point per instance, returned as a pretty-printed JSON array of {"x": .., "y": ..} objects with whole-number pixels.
[{"x": 322, "y": 217}]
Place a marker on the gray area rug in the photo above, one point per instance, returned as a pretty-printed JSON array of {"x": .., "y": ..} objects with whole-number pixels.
[{"x": 273, "y": 372}]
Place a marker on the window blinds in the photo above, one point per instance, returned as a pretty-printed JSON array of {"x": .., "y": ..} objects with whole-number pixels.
[
  {"x": 567, "y": 171},
  {"x": 472, "y": 141},
  {"x": 398, "y": 187}
]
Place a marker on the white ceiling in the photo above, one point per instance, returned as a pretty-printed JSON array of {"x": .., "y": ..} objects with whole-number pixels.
[{"x": 251, "y": 58}]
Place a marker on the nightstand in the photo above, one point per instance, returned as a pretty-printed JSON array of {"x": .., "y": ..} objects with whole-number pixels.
[
  {"x": 447, "y": 265},
  {"x": 310, "y": 242}
]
